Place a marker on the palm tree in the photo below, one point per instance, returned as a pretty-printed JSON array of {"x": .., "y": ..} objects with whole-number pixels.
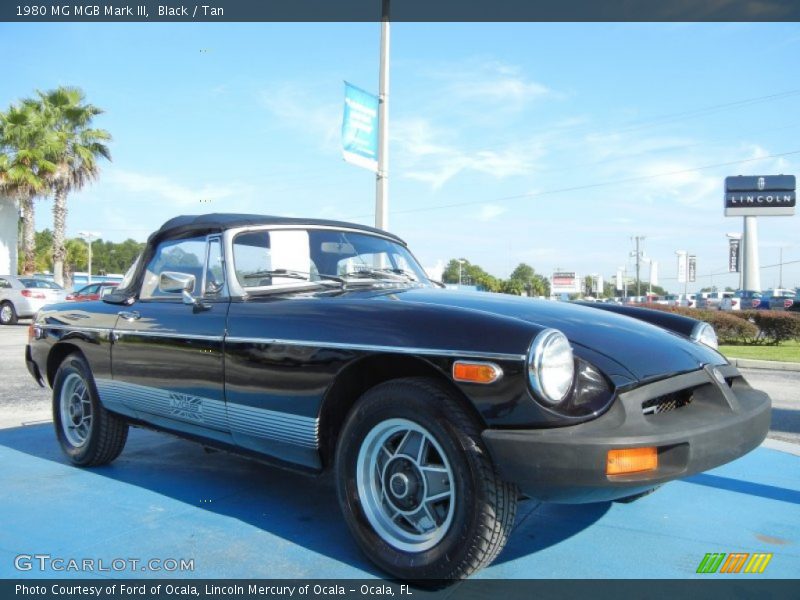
[
  {"x": 75, "y": 155},
  {"x": 24, "y": 168}
]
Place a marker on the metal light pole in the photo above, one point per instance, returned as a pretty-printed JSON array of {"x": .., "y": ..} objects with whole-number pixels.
[
  {"x": 382, "y": 176},
  {"x": 460, "y": 263},
  {"x": 89, "y": 237}
]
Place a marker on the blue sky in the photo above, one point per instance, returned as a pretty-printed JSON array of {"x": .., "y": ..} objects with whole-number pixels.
[{"x": 506, "y": 139}]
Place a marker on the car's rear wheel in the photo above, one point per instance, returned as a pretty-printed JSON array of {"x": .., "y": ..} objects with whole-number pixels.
[
  {"x": 8, "y": 316},
  {"x": 416, "y": 485},
  {"x": 89, "y": 435}
]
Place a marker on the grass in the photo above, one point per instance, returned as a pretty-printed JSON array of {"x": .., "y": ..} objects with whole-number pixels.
[{"x": 786, "y": 352}]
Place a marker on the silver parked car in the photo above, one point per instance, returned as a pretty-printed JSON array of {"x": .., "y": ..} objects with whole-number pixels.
[{"x": 22, "y": 297}]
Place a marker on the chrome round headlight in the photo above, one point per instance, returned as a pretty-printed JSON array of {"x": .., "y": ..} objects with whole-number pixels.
[
  {"x": 551, "y": 366},
  {"x": 705, "y": 334}
]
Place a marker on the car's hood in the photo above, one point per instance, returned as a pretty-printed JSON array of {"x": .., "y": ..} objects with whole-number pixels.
[{"x": 645, "y": 350}]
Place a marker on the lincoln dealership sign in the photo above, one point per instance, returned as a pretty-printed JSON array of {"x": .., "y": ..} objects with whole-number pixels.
[{"x": 760, "y": 196}]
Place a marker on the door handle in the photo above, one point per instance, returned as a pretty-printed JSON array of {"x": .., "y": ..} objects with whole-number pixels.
[{"x": 130, "y": 315}]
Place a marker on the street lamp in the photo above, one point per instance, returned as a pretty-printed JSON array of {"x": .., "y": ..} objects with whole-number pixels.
[
  {"x": 460, "y": 263},
  {"x": 89, "y": 237}
]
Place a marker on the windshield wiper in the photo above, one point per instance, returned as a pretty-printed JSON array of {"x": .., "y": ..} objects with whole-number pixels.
[
  {"x": 393, "y": 274},
  {"x": 408, "y": 274},
  {"x": 277, "y": 273}
]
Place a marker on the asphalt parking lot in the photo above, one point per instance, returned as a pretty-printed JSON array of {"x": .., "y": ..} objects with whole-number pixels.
[{"x": 166, "y": 498}]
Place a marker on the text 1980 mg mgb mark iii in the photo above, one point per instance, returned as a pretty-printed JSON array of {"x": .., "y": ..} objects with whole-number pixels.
[{"x": 322, "y": 345}]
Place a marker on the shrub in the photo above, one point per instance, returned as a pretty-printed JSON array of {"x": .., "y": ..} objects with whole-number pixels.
[
  {"x": 729, "y": 328},
  {"x": 777, "y": 326}
]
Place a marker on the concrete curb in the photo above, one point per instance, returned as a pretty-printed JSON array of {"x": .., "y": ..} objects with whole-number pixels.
[
  {"x": 781, "y": 446},
  {"x": 774, "y": 365}
]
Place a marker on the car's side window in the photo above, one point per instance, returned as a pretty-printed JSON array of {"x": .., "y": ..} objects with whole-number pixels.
[{"x": 186, "y": 256}]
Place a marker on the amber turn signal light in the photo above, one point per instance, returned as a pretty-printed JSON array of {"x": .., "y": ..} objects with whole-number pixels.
[
  {"x": 476, "y": 372},
  {"x": 631, "y": 460}
]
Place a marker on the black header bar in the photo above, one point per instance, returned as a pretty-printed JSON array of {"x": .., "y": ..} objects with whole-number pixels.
[
  {"x": 401, "y": 10},
  {"x": 352, "y": 589}
]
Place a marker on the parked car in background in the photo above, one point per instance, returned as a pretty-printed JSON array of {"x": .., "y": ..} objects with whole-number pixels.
[
  {"x": 780, "y": 299},
  {"x": 93, "y": 291},
  {"x": 323, "y": 346},
  {"x": 687, "y": 300},
  {"x": 713, "y": 300},
  {"x": 795, "y": 305},
  {"x": 743, "y": 300},
  {"x": 22, "y": 297}
]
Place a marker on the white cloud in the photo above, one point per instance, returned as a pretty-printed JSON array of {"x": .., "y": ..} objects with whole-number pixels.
[
  {"x": 424, "y": 154},
  {"x": 166, "y": 189},
  {"x": 297, "y": 107},
  {"x": 490, "y": 211},
  {"x": 500, "y": 85}
]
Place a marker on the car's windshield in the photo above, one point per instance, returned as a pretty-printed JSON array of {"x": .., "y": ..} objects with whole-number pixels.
[
  {"x": 264, "y": 258},
  {"x": 39, "y": 283}
]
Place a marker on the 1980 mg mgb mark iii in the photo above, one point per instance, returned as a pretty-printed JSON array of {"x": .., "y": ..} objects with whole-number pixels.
[{"x": 323, "y": 345}]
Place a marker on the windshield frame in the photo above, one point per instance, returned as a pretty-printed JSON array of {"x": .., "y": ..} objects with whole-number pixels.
[{"x": 391, "y": 281}]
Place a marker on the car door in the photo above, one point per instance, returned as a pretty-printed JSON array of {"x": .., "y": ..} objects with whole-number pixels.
[{"x": 167, "y": 355}]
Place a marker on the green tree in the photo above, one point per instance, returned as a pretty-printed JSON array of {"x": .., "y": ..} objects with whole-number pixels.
[
  {"x": 25, "y": 146},
  {"x": 470, "y": 274},
  {"x": 512, "y": 286},
  {"x": 76, "y": 156},
  {"x": 531, "y": 282},
  {"x": 523, "y": 273}
]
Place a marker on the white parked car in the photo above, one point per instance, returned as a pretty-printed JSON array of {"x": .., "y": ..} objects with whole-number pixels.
[
  {"x": 713, "y": 300},
  {"x": 22, "y": 297},
  {"x": 687, "y": 300}
]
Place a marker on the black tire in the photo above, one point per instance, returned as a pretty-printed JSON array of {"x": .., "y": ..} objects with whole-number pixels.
[
  {"x": 484, "y": 506},
  {"x": 8, "y": 314},
  {"x": 105, "y": 434}
]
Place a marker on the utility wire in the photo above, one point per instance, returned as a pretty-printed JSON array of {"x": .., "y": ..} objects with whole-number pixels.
[{"x": 583, "y": 187}]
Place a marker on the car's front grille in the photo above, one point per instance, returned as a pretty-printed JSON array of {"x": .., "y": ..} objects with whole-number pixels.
[{"x": 667, "y": 402}]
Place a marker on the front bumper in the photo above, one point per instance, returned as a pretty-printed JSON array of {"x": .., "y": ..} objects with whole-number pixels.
[{"x": 724, "y": 420}]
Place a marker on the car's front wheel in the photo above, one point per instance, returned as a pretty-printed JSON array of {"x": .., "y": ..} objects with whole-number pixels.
[
  {"x": 8, "y": 316},
  {"x": 89, "y": 435},
  {"x": 417, "y": 486}
]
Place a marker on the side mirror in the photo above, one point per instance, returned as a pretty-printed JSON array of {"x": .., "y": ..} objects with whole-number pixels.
[{"x": 173, "y": 282}]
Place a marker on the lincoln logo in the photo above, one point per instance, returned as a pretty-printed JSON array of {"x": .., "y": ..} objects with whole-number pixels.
[{"x": 761, "y": 183}]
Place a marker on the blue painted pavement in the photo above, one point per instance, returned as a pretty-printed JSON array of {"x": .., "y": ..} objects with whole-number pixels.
[{"x": 168, "y": 498}]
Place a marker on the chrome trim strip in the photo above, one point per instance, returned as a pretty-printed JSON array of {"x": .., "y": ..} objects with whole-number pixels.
[
  {"x": 253, "y": 421},
  {"x": 273, "y": 425},
  {"x": 377, "y": 348},
  {"x": 308, "y": 226},
  {"x": 77, "y": 328},
  {"x": 173, "y": 335}
]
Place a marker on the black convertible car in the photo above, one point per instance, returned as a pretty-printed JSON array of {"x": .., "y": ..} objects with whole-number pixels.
[{"x": 322, "y": 345}]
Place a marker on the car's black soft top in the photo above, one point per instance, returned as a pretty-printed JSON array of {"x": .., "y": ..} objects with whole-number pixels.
[{"x": 222, "y": 221}]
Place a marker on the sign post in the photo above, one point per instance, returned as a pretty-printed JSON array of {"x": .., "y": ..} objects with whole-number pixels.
[{"x": 755, "y": 196}]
